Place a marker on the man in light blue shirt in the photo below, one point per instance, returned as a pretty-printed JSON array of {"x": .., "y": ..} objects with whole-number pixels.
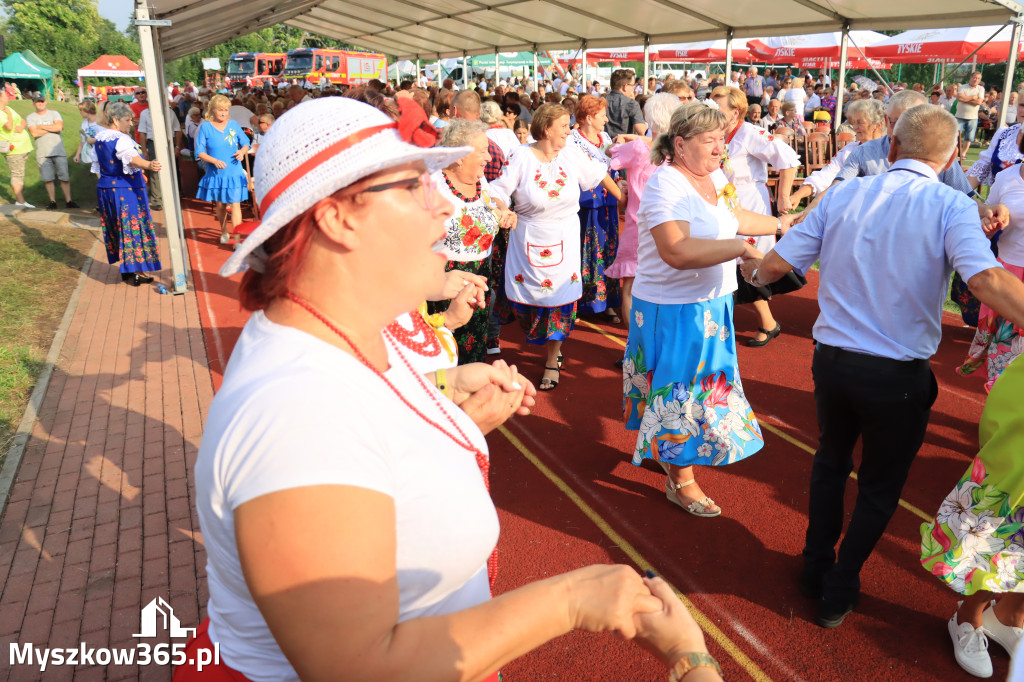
[{"x": 887, "y": 245}]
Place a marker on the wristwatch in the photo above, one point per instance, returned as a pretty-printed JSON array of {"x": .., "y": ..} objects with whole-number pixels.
[
  {"x": 690, "y": 661},
  {"x": 778, "y": 229}
]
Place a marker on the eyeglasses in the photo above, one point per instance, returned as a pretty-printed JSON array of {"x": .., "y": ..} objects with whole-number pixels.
[{"x": 422, "y": 188}]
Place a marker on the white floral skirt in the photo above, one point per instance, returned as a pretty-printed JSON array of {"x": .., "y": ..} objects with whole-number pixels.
[{"x": 681, "y": 385}]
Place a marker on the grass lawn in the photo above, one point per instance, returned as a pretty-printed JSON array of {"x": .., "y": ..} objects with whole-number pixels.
[
  {"x": 38, "y": 272},
  {"x": 83, "y": 183}
]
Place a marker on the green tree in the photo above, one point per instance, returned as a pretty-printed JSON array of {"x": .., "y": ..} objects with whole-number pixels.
[{"x": 62, "y": 32}]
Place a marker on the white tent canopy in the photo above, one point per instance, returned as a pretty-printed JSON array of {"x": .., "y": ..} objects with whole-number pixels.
[{"x": 429, "y": 29}]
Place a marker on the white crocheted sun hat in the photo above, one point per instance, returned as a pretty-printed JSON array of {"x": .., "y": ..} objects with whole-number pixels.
[{"x": 316, "y": 149}]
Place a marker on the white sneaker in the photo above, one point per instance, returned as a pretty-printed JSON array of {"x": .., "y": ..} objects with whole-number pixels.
[
  {"x": 970, "y": 647},
  {"x": 1005, "y": 636},
  {"x": 23, "y": 204}
]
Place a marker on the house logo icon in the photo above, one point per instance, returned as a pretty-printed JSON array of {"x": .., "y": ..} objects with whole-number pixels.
[{"x": 160, "y": 609}]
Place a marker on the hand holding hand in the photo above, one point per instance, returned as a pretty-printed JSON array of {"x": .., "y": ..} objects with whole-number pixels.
[
  {"x": 747, "y": 268},
  {"x": 785, "y": 204},
  {"x": 490, "y": 394},
  {"x": 607, "y": 597},
  {"x": 789, "y": 220},
  {"x": 993, "y": 218},
  {"x": 507, "y": 220},
  {"x": 670, "y": 632},
  {"x": 750, "y": 252}
]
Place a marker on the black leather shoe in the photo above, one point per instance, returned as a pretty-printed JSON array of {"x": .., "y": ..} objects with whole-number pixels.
[
  {"x": 142, "y": 279},
  {"x": 131, "y": 280},
  {"x": 769, "y": 335},
  {"x": 52, "y": 206},
  {"x": 71, "y": 204},
  {"x": 832, "y": 613}
]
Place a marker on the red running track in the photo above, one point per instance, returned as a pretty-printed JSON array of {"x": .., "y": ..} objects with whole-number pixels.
[{"x": 738, "y": 570}]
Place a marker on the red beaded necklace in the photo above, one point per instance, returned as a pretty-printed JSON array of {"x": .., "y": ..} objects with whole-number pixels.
[
  {"x": 459, "y": 194},
  {"x": 465, "y": 443},
  {"x": 429, "y": 347}
]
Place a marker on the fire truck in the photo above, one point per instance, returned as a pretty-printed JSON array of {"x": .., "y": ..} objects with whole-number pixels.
[
  {"x": 311, "y": 64},
  {"x": 255, "y": 68}
]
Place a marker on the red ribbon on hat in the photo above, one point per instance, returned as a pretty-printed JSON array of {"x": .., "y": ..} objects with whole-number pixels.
[{"x": 413, "y": 126}]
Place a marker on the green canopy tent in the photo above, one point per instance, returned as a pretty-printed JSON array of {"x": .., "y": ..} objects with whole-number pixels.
[{"x": 28, "y": 71}]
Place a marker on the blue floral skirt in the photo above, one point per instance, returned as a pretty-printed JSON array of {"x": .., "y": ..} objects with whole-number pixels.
[{"x": 681, "y": 385}]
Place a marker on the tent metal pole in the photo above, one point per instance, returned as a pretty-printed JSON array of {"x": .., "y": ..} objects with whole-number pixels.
[
  {"x": 1011, "y": 66},
  {"x": 465, "y": 72},
  {"x": 583, "y": 64},
  {"x": 419, "y": 73},
  {"x": 536, "y": 65},
  {"x": 728, "y": 57},
  {"x": 840, "y": 88},
  {"x": 647, "y": 61},
  {"x": 439, "y": 79},
  {"x": 151, "y": 64}
]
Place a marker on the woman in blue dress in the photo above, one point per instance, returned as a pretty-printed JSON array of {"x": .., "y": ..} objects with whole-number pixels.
[
  {"x": 599, "y": 213},
  {"x": 122, "y": 200},
  {"x": 222, "y": 144}
]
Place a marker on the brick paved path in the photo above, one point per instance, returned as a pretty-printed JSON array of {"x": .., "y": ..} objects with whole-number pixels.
[{"x": 101, "y": 518}]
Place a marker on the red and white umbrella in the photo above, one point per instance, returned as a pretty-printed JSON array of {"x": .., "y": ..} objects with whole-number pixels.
[
  {"x": 933, "y": 46},
  {"x": 702, "y": 52},
  {"x": 791, "y": 49}
]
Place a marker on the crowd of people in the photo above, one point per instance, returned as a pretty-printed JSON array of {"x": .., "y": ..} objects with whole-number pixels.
[{"x": 533, "y": 203}]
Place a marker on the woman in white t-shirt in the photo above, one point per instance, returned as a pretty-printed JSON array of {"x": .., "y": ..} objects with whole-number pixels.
[
  {"x": 998, "y": 342},
  {"x": 796, "y": 94},
  {"x": 680, "y": 379},
  {"x": 343, "y": 496}
]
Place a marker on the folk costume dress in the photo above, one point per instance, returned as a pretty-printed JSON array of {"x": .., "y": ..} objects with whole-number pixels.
[
  {"x": 426, "y": 342},
  {"x": 680, "y": 379},
  {"x": 227, "y": 185},
  {"x": 543, "y": 280},
  {"x": 123, "y": 203},
  {"x": 976, "y": 540},
  {"x": 599, "y": 232},
  {"x": 749, "y": 151},
  {"x": 472, "y": 231}
]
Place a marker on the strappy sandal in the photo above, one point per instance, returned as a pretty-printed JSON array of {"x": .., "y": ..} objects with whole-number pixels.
[
  {"x": 769, "y": 335},
  {"x": 560, "y": 361},
  {"x": 547, "y": 384},
  {"x": 698, "y": 507}
]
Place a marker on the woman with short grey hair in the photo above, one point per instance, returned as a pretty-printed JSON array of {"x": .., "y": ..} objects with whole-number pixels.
[
  {"x": 121, "y": 198},
  {"x": 471, "y": 230},
  {"x": 501, "y": 134}
]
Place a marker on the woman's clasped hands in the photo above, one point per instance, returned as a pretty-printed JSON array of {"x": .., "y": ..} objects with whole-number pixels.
[{"x": 491, "y": 394}]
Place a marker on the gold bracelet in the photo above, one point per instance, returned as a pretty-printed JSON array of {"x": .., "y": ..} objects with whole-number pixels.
[
  {"x": 441, "y": 381},
  {"x": 690, "y": 662}
]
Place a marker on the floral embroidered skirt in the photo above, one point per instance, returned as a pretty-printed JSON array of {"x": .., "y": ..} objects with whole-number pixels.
[
  {"x": 128, "y": 228},
  {"x": 681, "y": 385},
  {"x": 600, "y": 238},
  {"x": 998, "y": 342},
  {"x": 976, "y": 541},
  {"x": 544, "y": 324},
  {"x": 472, "y": 336}
]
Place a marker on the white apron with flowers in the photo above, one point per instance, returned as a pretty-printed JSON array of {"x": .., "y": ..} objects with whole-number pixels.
[
  {"x": 751, "y": 149},
  {"x": 542, "y": 267}
]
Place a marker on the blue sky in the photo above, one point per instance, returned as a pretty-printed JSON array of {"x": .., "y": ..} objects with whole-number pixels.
[{"x": 118, "y": 11}]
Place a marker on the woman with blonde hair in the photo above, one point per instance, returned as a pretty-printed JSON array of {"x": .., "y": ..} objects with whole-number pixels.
[
  {"x": 681, "y": 382},
  {"x": 222, "y": 144}
]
